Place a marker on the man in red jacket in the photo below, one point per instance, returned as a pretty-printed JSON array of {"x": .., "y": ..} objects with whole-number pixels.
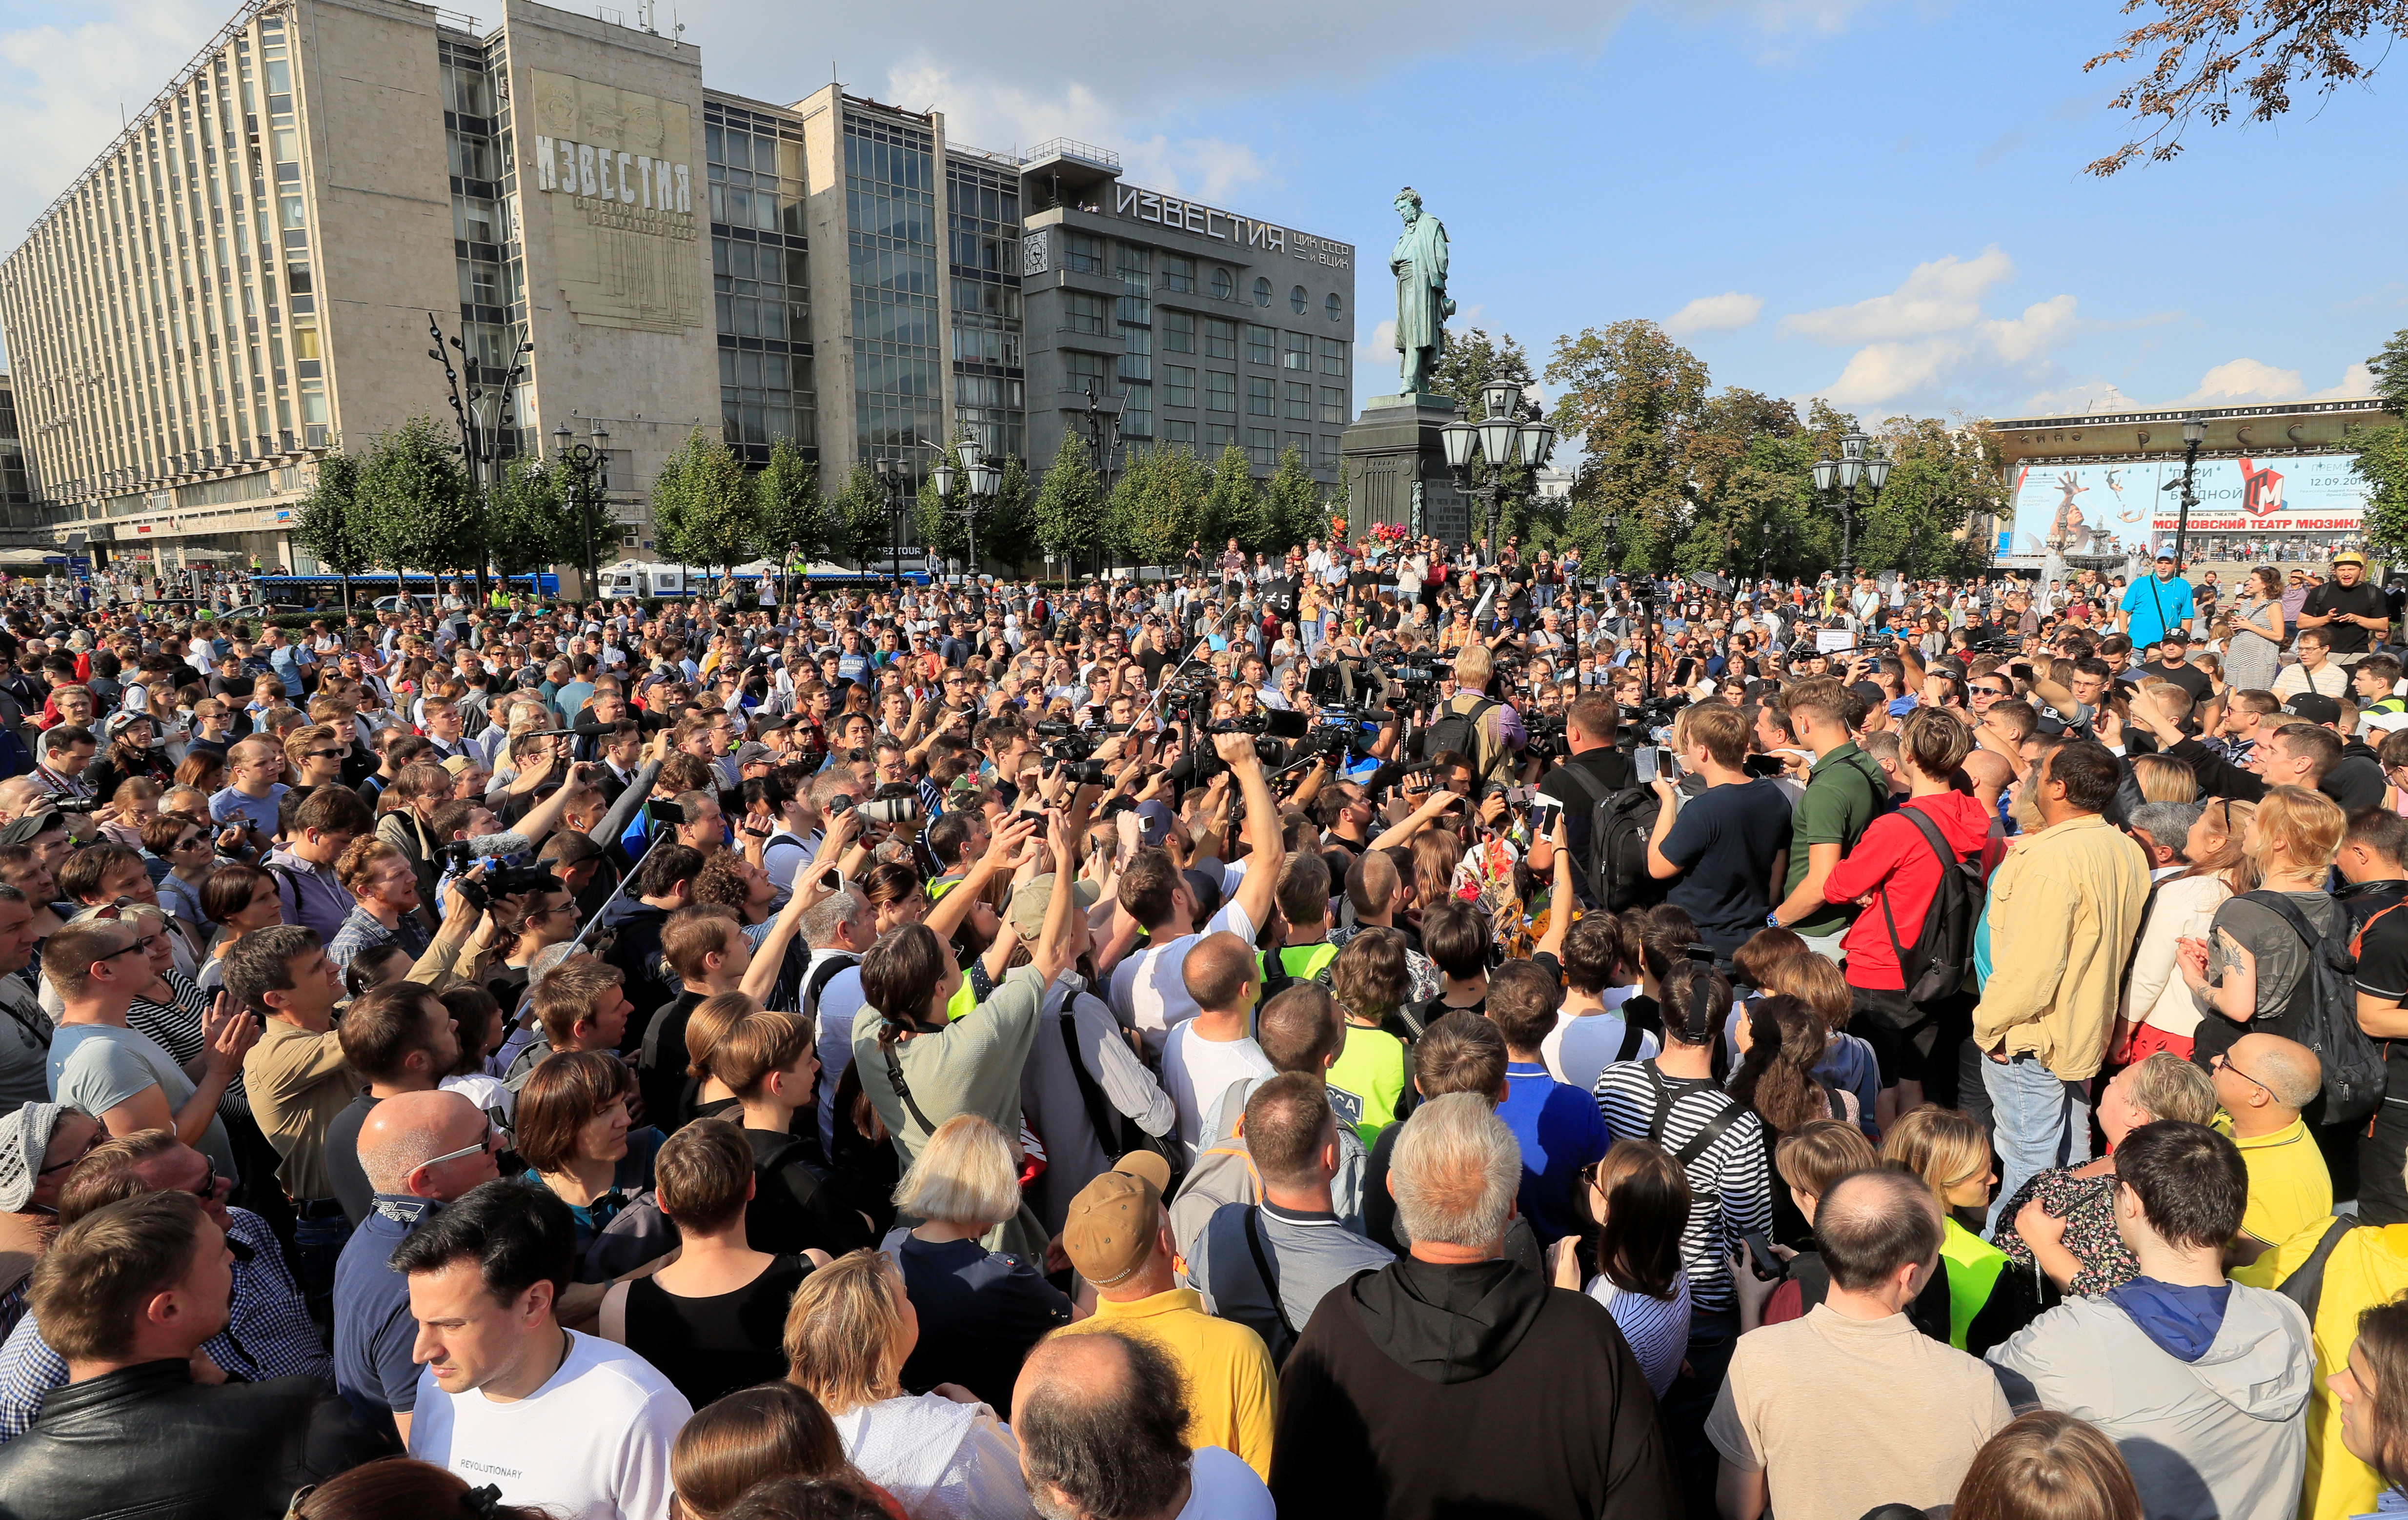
[{"x": 1895, "y": 872}]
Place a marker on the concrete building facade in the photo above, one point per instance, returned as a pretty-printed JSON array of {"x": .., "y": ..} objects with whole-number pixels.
[{"x": 243, "y": 280}]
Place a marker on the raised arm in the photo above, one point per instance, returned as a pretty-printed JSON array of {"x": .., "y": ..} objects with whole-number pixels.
[{"x": 1262, "y": 836}]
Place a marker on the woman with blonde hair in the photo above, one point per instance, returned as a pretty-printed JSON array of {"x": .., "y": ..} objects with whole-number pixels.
[
  {"x": 2064, "y": 1218},
  {"x": 943, "y": 1453},
  {"x": 1973, "y": 1301},
  {"x": 2164, "y": 779},
  {"x": 2048, "y": 1466},
  {"x": 2291, "y": 840},
  {"x": 2158, "y": 1012},
  {"x": 980, "y": 1310}
]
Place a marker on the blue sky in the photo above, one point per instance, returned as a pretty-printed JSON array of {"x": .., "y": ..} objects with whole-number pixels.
[{"x": 1880, "y": 201}]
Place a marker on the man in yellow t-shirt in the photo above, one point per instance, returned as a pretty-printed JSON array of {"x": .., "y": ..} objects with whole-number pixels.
[
  {"x": 2263, "y": 1081},
  {"x": 1118, "y": 1237}
]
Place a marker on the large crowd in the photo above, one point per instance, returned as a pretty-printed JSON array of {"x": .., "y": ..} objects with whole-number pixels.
[{"x": 1386, "y": 1030}]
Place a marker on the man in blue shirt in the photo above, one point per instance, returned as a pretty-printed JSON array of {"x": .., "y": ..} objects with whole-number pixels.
[
  {"x": 1557, "y": 1126},
  {"x": 2156, "y": 607},
  {"x": 420, "y": 1150}
]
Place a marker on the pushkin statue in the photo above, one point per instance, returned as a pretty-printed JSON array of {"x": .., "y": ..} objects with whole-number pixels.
[{"x": 1419, "y": 264}]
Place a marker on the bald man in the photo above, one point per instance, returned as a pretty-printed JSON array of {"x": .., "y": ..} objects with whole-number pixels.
[
  {"x": 1215, "y": 1048},
  {"x": 419, "y": 1151},
  {"x": 1100, "y": 1420},
  {"x": 2263, "y": 1081}
]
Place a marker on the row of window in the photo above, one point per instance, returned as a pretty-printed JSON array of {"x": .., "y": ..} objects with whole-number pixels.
[
  {"x": 1083, "y": 252},
  {"x": 1263, "y": 445},
  {"x": 1295, "y": 401}
]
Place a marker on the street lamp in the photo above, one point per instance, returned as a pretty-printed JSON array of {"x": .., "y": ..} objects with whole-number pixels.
[
  {"x": 1501, "y": 437},
  {"x": 1854, "y": 465},
  {"x": 588, "y": 465},
  {"x": 481, "y": 405},
  {"x": 2194, "y": 434},
  {"x": 894, "y": 480},
  {"x": 1101, "y": 420},
  {"x": 979, "y": 479}
]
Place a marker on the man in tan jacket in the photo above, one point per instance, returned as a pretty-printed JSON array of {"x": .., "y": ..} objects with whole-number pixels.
[{"x": 2063, "y": 909}]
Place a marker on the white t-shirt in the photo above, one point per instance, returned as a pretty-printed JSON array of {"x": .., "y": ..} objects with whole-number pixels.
[
  {"x": 593, "y": 1444},
  {"x": 1150, "y": 989},
  {"x": 1223, "y": 1487},
  {"x": 841, "y": 998},
  {"x": 1195, "y": 1071}
]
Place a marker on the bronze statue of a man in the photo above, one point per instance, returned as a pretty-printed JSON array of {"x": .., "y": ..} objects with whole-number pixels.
[{"x": 1419, "y": 264}]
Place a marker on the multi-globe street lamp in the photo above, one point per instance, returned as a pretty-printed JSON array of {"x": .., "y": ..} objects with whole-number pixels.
[
  {"x": 894, "y": 480},
  {"x": 980, "y": 478},
  {"x": 2194, "y": 434},
  {"x": 587, "y": 467},
  {"x": 1502, "y": 438},
  {"x": 1854, "y": 465}
]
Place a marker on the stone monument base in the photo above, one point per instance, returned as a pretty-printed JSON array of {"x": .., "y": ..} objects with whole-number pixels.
[{"x": 1387, "y": 451}]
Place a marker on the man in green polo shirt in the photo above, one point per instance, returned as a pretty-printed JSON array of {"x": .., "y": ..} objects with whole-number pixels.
[{"x": 1842, "y": 794}]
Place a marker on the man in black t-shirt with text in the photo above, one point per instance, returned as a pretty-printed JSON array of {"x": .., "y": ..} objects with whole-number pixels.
[{"x": 2354, "y": 614}]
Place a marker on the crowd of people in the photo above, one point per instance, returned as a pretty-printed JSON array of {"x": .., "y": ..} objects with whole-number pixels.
[{"x": 1403, "y": 1030}]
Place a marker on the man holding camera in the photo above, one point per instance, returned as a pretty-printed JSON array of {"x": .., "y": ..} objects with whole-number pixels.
[{"x": 1595, "y": 771}]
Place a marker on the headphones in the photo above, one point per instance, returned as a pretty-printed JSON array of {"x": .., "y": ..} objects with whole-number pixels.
[{"x": 1698, "y": 1028}]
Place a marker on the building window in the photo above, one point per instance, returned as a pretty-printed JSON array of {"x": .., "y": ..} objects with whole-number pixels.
[
  {"x": 1333, "y": 404},
  {"x": 1179, "y": 332},
  {"x": 1262, "y": 291},
  {"x": 1262, "y": 448},
  {"x": 1302, "y": 443},
  {"x": 1179, "y": 273},
  {"x": 1137, "y": 411},
  {"x": 1177, "y": 430},
  {"x": 895, "y": 253},
  {"x": 1299, "y": 403},
  {"x": 1219, "y": 436},
  {"x": 1137, "y": 357},
  {"x": 1259, "y": 345},
  {"x": 983, "y": 207},
  {"x": 1298, "y": 353},
  {"x": 1083, "y": 373},
  {"x": 1178, "y": 386},
  {"x": 1223, "y": 288},
  {"x": 1333, "y": 356},
  {"x": 1298, "y": 302},
  {"x": 1220, "y": 390},
  {"x": 1328, "y": 456},
  {"x": 1336, "y": 308},
  {"x": 1137, "y": 269},
  {"x": 1219, "y": 339},
  {"x": 1086, "y": 254},
  {"x": 1262, "y": 396},
  {"x": 1084, "y": 312}
]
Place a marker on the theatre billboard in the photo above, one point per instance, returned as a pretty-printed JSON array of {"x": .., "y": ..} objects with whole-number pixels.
[{"x": 2112, "y": 507}]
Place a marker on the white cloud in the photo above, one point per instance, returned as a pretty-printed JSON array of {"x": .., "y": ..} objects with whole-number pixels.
[
  {"x": 2244, "y": 380},
  {"x": 2355, "y": 382},
  {"x": 1723, "y": 313},
  {"x": 1929, "y": 339},
  {"x": 1940, "y": 297},
  {"x": 2087, "y": 397}
]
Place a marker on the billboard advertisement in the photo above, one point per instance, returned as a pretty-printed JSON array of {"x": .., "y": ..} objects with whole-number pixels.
[{"x": 2115, "y": 506}]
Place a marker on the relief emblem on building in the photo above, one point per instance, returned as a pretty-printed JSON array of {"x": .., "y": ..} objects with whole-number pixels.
[{"x": 616, "y": 169}]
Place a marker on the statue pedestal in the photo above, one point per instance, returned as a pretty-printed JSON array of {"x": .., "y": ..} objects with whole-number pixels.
[{"x": 1387, "y": 452}]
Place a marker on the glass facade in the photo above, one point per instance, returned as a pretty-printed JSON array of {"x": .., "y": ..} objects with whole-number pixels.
[
  {"x": 990, "y": 384},
  {"x": 485, "y": 241},
  {"x": 760, "y": 291},
  {"x": 891, "y": 231}
]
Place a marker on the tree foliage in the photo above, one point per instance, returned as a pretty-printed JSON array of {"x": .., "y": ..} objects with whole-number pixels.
[
  {"x": 1068, "y": 515},
  {"x": 2382, "y": 459},
  {"x": 530, "y": 522},
  {"x": 702, "y": 503},
  {"x": 1233, "y": 509},
  {"x": 943, "y": 527},
  {"x": 859, "y": 513},
  {"x": 2206, "y": 57},
  {"x": 1631, "y": 395},
  {"x": 788, "y": 510},
  {"x": 332, "y": 525},
  {"x": 415, "y": 503},
  {"x": 1155, "y": 503},
  {"x": 1292, "y": 501}
]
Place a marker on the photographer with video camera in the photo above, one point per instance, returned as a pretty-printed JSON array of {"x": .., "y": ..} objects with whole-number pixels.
[{"x": 1594, "y": 772}]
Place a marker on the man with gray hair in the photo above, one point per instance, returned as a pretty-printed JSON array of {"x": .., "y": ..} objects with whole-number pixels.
[
  {"x": 1396, "y": 1367},
  {"x": 2161, "y": 829},
  {"x": 838, "y": 930}
]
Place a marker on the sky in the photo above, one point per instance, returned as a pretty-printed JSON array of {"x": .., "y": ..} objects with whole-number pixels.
[{"x": 1879, "y": 202}]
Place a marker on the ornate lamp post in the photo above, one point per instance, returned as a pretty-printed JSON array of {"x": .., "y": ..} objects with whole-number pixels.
[
  {"x": 895, "y": 479},
  {"x": 1500, "y": 438},
  {"x": 1101, "y": 420},
  {"x": 1853, "y": 465},
  {"x": 2194, "y": 434},
  {"x": 481, "y": 405},
  {"x": 980, "y": 478},
  {"x": 588, "y": 467}
]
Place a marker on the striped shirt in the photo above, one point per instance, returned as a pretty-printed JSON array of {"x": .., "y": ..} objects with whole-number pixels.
[
  {"x": 268, "y": 1335},
  {"x": 1730, "y": 1182}
]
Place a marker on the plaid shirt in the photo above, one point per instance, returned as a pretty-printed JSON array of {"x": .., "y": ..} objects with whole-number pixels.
[{"x": 269, "y": 1335}]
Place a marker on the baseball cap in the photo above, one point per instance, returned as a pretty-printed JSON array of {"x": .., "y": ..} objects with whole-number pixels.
[
  {"x": 752, "y": 750},
  {"x": 2313, "y": 707},
  {"x": 2166, "y": 554},
  {"x": 1154, "y": 821},
  {"x": 1031, "y": 899},
  {"x": 1110, "y": 1227},
  {"x": 457, "y": 764}
]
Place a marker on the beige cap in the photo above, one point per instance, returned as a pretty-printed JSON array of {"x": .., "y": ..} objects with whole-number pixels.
[
  {"x": 1035, "y": 895},
  {"x": 1112, "y": 1225}
]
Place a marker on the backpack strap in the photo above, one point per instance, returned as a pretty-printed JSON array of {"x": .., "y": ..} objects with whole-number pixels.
[
  {"x": 2305, "y": 1287},
  {"x": 1263, "y": 1267},
  {"x": 1632, "y": 1038},
  {"x": 1703, "y": 1140},
  {"x": 2282, "y": 907},
  {"x": 1932, "y": 837},
  {"x": 1100, "y": 1112},
  {"x": 822, "y": 974},
  {"x": 903, "y": 1089}
]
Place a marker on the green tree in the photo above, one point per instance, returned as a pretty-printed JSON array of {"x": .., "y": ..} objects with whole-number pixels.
[
  {"x": 859, "y": 511},
  {"x": 1004, "y": 522},
  {"x": 1470, "y": 359},
  {"x": 2382, "y": 459},
  {"x": 415, "y": 501},
  {"x": 528, "y": 521},
  {"x": 942, "y": 526},
  {"x": 789, "y": 511},
  {"x": 1941, "y": 477},
  {"x": 332, "y": 525},
  {"x": 1154, "y": 504},
  {"x": 1233, "y": 509},
  {"x": 1292, "y": 500},
  {"x": 1068, "y": 514},
  {"x": 1632, "y": 396},
  {"x": 702, "y": 503}
]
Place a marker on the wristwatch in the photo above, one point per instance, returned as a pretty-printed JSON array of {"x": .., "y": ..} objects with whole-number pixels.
[{"x": 1772, "y": 920}]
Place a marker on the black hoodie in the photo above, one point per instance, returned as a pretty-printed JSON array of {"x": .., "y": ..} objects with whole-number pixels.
[{"x": 1522, "y": 1400}]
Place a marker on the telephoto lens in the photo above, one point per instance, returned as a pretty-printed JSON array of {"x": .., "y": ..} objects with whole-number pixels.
[{"x": 889, "y": 810}]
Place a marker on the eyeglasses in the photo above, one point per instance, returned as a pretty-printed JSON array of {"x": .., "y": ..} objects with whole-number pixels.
[
  {"x": 2222, "y": 1059},
  {"x": 484, "y": 1143}
]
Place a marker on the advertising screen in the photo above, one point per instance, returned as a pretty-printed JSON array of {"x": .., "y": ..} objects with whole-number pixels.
[{"x": 2117, "y": 506}]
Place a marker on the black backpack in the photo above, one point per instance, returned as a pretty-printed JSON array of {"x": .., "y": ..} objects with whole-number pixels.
[
  {"x": 1458, "y": 732},
  {"x": 1619, "y": 826},
  {"x": 2323, "y": 1015},
  {"x": 1943, "y": 955}
]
